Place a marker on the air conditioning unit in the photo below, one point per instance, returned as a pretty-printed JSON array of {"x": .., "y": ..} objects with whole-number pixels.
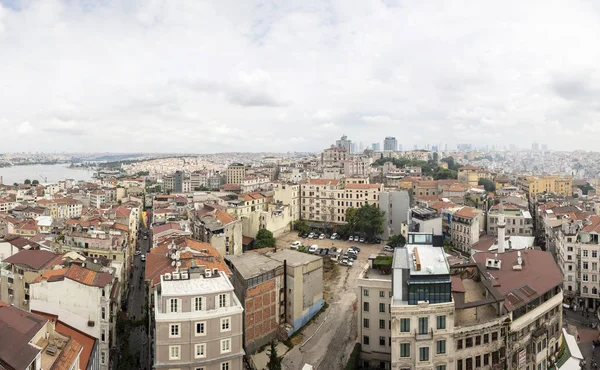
[
  {"x": 175, "y": 276},
  {"x": 91, "y": 323},
  {"x": 184, "y": 275},
  {"x": 207, "y": 273},
  {"x": 215, "y": 272},
  {"x": 167, "y": 276},
  {"x": 26, "y": 301}
]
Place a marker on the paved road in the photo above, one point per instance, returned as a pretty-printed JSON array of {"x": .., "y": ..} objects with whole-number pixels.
[
  {"x": 138, "y": 340},
  {"x": 585, "y": 333}
]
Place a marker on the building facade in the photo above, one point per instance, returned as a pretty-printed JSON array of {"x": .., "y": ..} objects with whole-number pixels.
[
  {"x": 236, "y": 172},
  {"x": 390, "y": 143}
]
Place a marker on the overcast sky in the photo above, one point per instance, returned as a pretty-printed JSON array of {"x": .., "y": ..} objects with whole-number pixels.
[{"x": 216, "y": 76}]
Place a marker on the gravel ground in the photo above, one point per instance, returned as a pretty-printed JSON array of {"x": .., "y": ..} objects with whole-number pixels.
[{"x": 328, "y": 341}]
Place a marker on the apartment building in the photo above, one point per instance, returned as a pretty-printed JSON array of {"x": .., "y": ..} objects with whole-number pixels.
[
  {"x": 424, "y": 220},
  {"x": 218, "y": 228},
  {"x": 357, "y": 167},
  {"x": 276, "y": 219},
  {"x": 466, "y": 228},
  {"x": 97, "y": 198},
  {"x": 355, "y": 196},
  {"x": 259, "y": 284},
  {"x": 501, "y": 311},
  {"x": 254, "y": 183},
  {"x": 288, "y": 194},
  {"x": 374, "y": 316},
  {"x": 333, "y": 156},
  {"x": 472, "y": 175},
  {"x": 518, "y": 220},
  {"x": 197, "y": 321},
  {"x": 395, "y": 204},
  {"x": 241, "y": 204},
  {"x": 318, "y": 200},
  {"x": 199, "y": 179},
  {"x": 31, "y": 342},
  {"x": 85, "y": 299},
  {"x": 235, "y": 173},
  {"x": 534, "y": 185},
  {"x": 63, "y": 208}
]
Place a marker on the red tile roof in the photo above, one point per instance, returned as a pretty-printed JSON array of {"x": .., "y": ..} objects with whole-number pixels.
[
  {"x": 466, "y": 212},
  {"x": 224, "y": 217},
  {"x": 88, "y": 277},
  {"x": 165, "y": 227},
  {"x": 35, "y": 259}
]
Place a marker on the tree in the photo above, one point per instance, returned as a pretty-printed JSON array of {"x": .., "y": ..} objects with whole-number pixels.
[
  {"x": 488, "y": 185},
  {"x": 397, "y": 241},
  {"x": 27, "y": 182},
  {"x": 264, "y": 239},
  {"x": 444, "y": 174},
  {"x": 35, "y": 182},
  {"x": 301, "y": 226},
  {"x": 274, "y": 360},
  {"x": 201, "y": 188},
  {"x": 370, "y": 220}
]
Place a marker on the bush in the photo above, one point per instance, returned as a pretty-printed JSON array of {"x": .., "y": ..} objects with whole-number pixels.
[
  {"x": 353, "y": 361},
  {"x": 264, "y": 239}
]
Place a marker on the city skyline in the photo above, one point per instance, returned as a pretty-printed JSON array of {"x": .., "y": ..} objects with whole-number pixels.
[{"x": 293, "y": 76}]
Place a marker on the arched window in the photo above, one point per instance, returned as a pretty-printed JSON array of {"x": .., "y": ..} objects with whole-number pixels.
[
  {"x": 585, "y": 290},
  {"x": 594, "y": 291}
]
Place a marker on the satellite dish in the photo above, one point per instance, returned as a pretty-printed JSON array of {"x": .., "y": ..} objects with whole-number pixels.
[
  {"x": 173, "y": 263},
  {"x": 178, "y": 264}
]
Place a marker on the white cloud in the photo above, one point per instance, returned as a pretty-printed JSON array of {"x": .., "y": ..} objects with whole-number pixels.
[{"x": 201, "y": 75}]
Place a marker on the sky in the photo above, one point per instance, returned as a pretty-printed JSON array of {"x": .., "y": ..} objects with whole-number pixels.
[{"x": 222, "y": 76}]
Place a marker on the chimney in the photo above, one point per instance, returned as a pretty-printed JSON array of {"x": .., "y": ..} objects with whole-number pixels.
[{"x": 501, "y": 229}]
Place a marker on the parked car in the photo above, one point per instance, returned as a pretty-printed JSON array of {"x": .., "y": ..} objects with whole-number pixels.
[
  {"x": 310, "y": 236},
  {"x": 318, "y": 251},
  {"x": 322, "y": 236},
  {"x": 332, "y": 250},
  {"x": 351, "y": 255},
  {"x": 346, "y": 262},
  {"x": 356, "y": 238},
  {"x": 355, "y": 248},
  {"x": 137, "y": 253},
  {"x": 387, "y": 248},
  {"x": 351, "y": 239},
  {"x": 296, "y": 244},
  {"x": 316, "y": 236},
  {"x": 324, "y": 252},
  {"x": 313, "y": 248},
  {"x": 304, "y": 236},
  {"x": 334, "y": 236}
]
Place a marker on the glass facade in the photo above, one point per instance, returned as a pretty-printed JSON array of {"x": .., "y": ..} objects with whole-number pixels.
[{"x": 433, "y": 291}]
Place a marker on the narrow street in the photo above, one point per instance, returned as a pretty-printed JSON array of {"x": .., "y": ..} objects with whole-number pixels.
[{"x": 585, "y": 334}]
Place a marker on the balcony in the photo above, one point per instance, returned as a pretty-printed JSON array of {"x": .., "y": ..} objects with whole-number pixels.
[{"x": 424, "y": 336}]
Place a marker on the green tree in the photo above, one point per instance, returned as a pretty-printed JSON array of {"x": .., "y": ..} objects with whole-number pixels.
[
  {"x": 444, "y": 174},
  {"x": 27, "y": 182},
  {"x": 301, "y": 226},
  {"x": 397, "y": 241},
  {"x": 201, "y": 188},
  {"x": 35, "y": 182},
  {"x": 370, "y": 220},
  {"x": 351, "y": 221},
  {"x": 488, "y": 185},
  {"x": 264, "y": 239},
  {"x": 274, "y": 360}
]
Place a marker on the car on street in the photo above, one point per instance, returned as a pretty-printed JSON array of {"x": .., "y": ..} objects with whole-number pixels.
[
  {"x": 387, "y": 248},
  {"x": 334, "y": 236},
  {"x": 137, "y": 253},
  {"x": 295, "y": 244},
  {"x": 145, "y": 237},
  {"x": 310, "y": 236},
  {"x": 322, "y": 236},
  {"x": 143, "y": 257},
  {"x": 357, "y": 249},
  {"x": 346, "y": 262},
  {"x": 316, "y": 236},
  {"x": 313, "y": 248},
  {"x": 351, "y": 239}
]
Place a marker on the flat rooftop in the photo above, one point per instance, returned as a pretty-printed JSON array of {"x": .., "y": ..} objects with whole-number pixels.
[
  {"x": 251, "y": 264},
  {"x": 293, "y": 258},
  {"x": 195, "y": 286},
  {"x": 370, "y": 273},
  {"x": 432, "y": 260},
  {"x": 474, "y": 291}
]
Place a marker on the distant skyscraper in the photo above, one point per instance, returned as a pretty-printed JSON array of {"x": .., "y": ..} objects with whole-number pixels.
[
  {"x": 344, "y": 143},
  {"x": 179, "y": 177},
  {"x": 535, "y": 147},
  {"x": 376, "y": 146},
  {"x": 390, "y": 143}
]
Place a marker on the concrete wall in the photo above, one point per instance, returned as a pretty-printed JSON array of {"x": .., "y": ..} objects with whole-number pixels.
[
  {"x": 395, "y": 204},
  {"x": 277, "y": 223}
]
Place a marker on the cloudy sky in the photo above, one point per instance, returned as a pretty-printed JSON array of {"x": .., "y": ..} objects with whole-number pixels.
[{"x": 229, "y": 75}]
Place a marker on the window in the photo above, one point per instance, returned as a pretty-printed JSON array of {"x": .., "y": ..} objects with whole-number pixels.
[
  {"x": 440, "y": 347},
  {"x": 225, "y": 365},
  {"x": 199, "y": 304},
  {"x": 366, "y": 292},
  {"x": 366, "y": 306},
  {"x": 404, "y": 325},
  {"x": 585, "y": 277},
  {"x": 381, "y": 324},
  {"x": 174, "y": 352},
  {"x": 441, "y": 322},
  {"x": 382, "y": 341},
  {"x": 381, "y": 294},
  {"x": 222, "y": 300},
  {"x": 102, "y": 358},
  {"x": 424, "y": 354},
  {"x": 404, "y": 349},
  {"x": 585, "y": 265},
  {"x": 200, "y": 350},
  {"x": 201, "y": 328},
  {"x": 459, "y": 344},
  {"x": 585, "y": 253},
  {"x": 459, "y": 365},
  {"x": 103, "y": 313},
  {"x": 174, "y": 331},
  {"x": 486, "y": 338},
  {"x": 440, "y": 367},
  {"x": 382, "y": 307},
  {"x": 478, "y": 340},
  {"x": 226, "y": 324},
  {"x": 477, "y": 362},
  {"x": 494, "y": 336},
  {"x": 594, "y": 254},
  {"x": 103, "y": 336},
  {"x": 423, "y": 325},
  {"x": 225, "y": 345},
  {"x": 486, "y": 359},
  {"x": 174, "y": 305},
  {"x": 366, "y": 340},
  {"x": 469, "y": 342},
  {"x": 366, "y": 323}
]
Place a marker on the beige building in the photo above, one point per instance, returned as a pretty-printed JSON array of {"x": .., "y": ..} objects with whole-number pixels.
[
  {"x": 288, "y": 194},
  {"x": 62, "y": 207},
  {"x": 318, "y": 199},
  {"x": 236, "y": 172},
  {"x": 198, "y": 322},
  {"x": 518, "y": 220},
  {"x": 472, "y": 175},
  {"x": 466, "y": 227},
  {"x": 374, "y": 293},
  {"x": 276, "y": 219},
  {"x": 333, "y": 156},
  {"x": 533, "y": 185},
  {"x": 220, "y": 229},
  {"x": 242, "y": 204},
  {"x": 355, "y": 196}
]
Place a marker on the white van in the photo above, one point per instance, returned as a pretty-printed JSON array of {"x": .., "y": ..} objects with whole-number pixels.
[
  {"x": 313, "y": 248},
  {"x": 295, "y": 245}
]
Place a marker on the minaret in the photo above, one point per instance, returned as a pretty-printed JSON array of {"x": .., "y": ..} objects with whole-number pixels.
[{"x": 501, "y": 229}]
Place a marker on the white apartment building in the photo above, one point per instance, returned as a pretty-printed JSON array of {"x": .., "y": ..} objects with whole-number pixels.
[
  {"x": 319, "y": 198},
  {"x": 374, "y": 319},
  {"x": 288, "y": 194},
  {"x": 360, "y": 166},
  {"x": 518, "y": 221},
  {"x": 198, "y": 322},
  {"x": 253, "y": 183},
  {"x": 466, "y": 228}
]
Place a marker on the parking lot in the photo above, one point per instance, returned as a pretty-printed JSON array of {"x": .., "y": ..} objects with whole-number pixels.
[{"x": 330, "y": 338}]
